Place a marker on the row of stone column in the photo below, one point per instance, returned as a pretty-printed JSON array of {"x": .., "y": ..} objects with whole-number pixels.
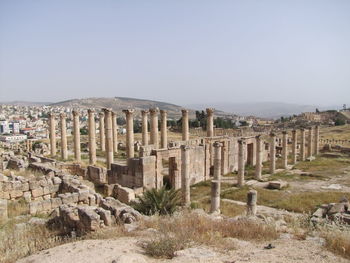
[
  {"x": 109, "y": 135},
  {"x": 313, "y": 147},
  {"x": 107, "y": 132}
]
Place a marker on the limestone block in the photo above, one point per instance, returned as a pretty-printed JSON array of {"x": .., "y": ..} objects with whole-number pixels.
[
  {"x": 24, "y": 187},
  {"x": 27, "y": 196},
  {"x": 277, "y": 185},
  {"x": 35, "y": 207},
  {"x": 4, "y": 195},
  {"x": 84, "y": 195},
  {"x": 34, "y": 184},
  {"x": 46, "y": 204},
  {"x": 7, "y": 186},
  {"x": 108, "y": 189},
  {"x": 56, "y": 202},
  {"x": 37, "y": 192},
  {"x": 75, "y": 197},
  {"x": 16, "y": 194},
  {"x": 92, "y": 200},
  {"x": 105, "y": 215},
  {"x": 125, "y": 194},
  {"x": 47, "y": 197},
  {"x": 57, "y": 180},
  {"x": 335, "y": 208},
  {"x": 89, "y": 219}
]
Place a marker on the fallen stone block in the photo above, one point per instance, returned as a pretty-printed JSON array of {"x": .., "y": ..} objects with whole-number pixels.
[{"x": 277, "y": 185}]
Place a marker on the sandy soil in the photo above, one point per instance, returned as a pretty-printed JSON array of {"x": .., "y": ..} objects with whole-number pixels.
[{"x": 127, "y": 250}]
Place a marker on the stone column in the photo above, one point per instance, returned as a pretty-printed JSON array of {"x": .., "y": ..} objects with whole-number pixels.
[
  {"x": 310, "y": 142},
  {"x": 284, "y": 150},
  {"x": 302, "y": 145},
  {"x": 294, "y": 146},
  {"x": 216, "y": 182},
  {"x": 115, "y": 132},
  {"x": 102, "y": 132},
  {"x": 64, "y": 148},
  {"x": 76, "y": 133},
  {"x": 241, "y": 161},
  {"x": 109, "y": 137},
  {"x": 317, "y": 140},
  {"x": 144, "y": 127},
  {"x": 252, "y": 197},
  {"x": 185, "y": 128},
  {"x": 163, "y": 130},
  {"x": 272, "y": 153},
  {"x": 92, "y": 137},
  {"x": 129, "y": 133},
  {"x": 154, "y": 127},
  {"x": 185, "y": 175},
  {"x": 210, "y": 122},
  {"x": 258, "y": 164},
  {"x": 52, "y": 134}
]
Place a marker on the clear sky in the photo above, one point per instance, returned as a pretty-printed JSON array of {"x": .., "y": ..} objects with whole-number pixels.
[{"x": 180, "y": 51}]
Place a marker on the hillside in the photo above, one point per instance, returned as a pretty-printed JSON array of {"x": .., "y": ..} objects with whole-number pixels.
[
  {"x": 121, "y": 103},
  {"x": 262, "y": 109}
]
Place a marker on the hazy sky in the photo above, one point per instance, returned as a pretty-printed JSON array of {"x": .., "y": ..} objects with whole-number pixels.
[{"x": 180, "y": 51}]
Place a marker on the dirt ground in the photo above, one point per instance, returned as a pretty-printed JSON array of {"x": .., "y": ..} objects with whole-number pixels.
[{"x": 128, "y": 250}]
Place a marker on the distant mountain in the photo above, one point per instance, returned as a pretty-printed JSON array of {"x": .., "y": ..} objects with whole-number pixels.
[
  {"x": 261, "y": 109},
  {"x": 25, "y": 103},
  {"x": 121, "y": 103}
]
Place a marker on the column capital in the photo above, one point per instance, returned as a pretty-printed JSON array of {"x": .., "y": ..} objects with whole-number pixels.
[
  {"x": 144, "y": 112},
  {"x": 51, "y": 115},
  {"x": 75, "y": 112},
  {"x": 302, "y": 129},
  {"x": 128, "y": 111},
  {"x": 63, "y": 115},
  {"x": 258, "y": 136},
  {"x": 284, "y": 132},
  {"x": 217, "y": 144},
  {"x": 242, "y": 141},
  {"x": 310, "y": 128},
  {"x": 184, "y": 111},
  {"x": 90, "y": 111},
  {"x": 210, "y": 111},
  {"x": 114, "y": 114},
  {"x": 154, "y": 111},
  {"x": 272, "y": 134},
  {"x": 163, "y": 112},
  {"x": 294, "y": 131},
  {"x": 185, "y": 147},
  {"x": 106, "y": 110}
]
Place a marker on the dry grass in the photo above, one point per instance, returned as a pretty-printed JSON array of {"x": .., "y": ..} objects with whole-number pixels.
[
  {"x": 226, "y": 208},
  {"x": 188, "y": 229},
  {"x": 17, "y": 208},
  {"x": 338, "y": 242},
  {"x": 18, "y": 239},
  {"x": 304, "y": 202},
  {"x": 324, "y": 165}
]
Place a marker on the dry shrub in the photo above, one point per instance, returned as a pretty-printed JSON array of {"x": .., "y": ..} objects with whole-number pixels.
[
  {"x": 17, "y": 208},
  {"x": 18, "y": 239},
  {"x": 18, "y": 242},
  {"x": 186, "y": 229},
  {"x": 338, "y": 242}
]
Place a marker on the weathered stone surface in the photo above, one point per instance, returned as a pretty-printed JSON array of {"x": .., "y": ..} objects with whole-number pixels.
[
  {"x": 88, "y": 218},
  {"x": 277, "y": 185},
  {"x": 37, "y": 192}
]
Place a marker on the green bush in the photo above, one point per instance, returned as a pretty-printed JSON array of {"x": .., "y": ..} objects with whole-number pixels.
[{"x": 158, "y": 201}]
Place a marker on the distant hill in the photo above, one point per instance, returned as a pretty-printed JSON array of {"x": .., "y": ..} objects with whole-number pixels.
[
  {"x": 25, "y": 103},
  {"x": 262, "y": 109},
  {"x": 121, "y": 103}
]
